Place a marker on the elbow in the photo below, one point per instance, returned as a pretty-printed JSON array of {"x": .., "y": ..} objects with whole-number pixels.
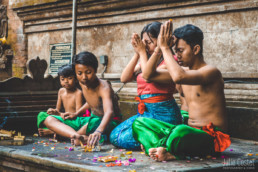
[
  {"x": 146, "y": 77},
  {"x": 177, "y": 79},
  {"x": 124, "y": 80}
]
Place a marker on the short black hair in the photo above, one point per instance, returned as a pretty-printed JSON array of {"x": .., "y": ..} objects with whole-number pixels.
[
  {"x": 152, "y": 29},
  {"x": 66, "y": 70},
  {"x": 191, "y": 34},
  {"x": 86, "y": 58}
]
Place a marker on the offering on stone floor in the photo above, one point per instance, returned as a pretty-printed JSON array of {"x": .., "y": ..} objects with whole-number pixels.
[
  {"x": 107, "y": 158},
  {"x": 6, "y": 135},
  {"x": 19, "y": 137}
]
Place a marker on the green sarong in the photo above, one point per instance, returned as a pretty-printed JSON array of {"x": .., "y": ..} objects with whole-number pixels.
[
  {"x": 180, "y": 140},
  {"x": 93, "y": 122},
  {"x": 185, "y": 116}
]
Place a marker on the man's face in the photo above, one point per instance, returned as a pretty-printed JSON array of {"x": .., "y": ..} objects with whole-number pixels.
[
  {"x": 67, "y": 82},
  {"x": 184, "y": 53},
  {"x": 85, "y": 74}
]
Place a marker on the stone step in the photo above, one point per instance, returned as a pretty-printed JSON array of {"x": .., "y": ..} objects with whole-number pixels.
[
  {"x": 242, "y": 121},
  {"x": 246, "y": 104},
  {"x": 22, "y": 102},
  {"x": 27, "y": 107},
  {"x": 20, "y": 114},
  {"x": 10, "y": 99},
  {"x": 238, "y": 95},
  {"x": 20, "y": 157}
]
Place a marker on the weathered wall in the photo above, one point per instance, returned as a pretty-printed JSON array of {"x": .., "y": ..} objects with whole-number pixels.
[
  {"x": 230, "y": 29},
  {"x": 17, "y": 40}
]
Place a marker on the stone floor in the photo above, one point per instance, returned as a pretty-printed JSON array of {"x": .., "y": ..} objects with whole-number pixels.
[{"x": 42, "y": 154}]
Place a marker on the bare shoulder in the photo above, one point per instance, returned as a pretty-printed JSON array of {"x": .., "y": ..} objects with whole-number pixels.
[
  {"x": 78, "y": 92},
  {"x": 211, "y": 71},
  {"x": 105, "y": 86},
  {"x": 61, "y": 91}
]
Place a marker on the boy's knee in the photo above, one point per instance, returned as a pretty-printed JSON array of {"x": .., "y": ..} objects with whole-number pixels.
[{"x": 49, "y": 119}]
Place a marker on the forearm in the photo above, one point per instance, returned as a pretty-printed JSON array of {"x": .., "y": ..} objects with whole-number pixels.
[
  {"x": 127, "y": 74},
  {"x": 82, "y": 109},
  {"x": 151, "y": 65},
  {"x": 143, "y": 59},
  {"x": 58, "y": 112},
  {"x": 175, "y": 71},
  {"x": 105, "y": 121}
]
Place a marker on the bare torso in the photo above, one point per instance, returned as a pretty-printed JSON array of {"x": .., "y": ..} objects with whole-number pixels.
[
  {"x": 94, "y": 99},
  {"x": 206, "y": 104},
  {"x": 69, "y": 99}
]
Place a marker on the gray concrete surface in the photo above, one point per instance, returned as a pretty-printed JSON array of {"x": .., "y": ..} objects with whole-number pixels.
[{"x": 241, "y": 155}]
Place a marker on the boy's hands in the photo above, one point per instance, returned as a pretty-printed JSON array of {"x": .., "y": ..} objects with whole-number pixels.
[
  {"x": 166, "y": 38},
  {"x": 137, "y": 43},
  {"x": 68, "y": 115},
  {"x": 93, "y": 139},
  {"x": 52, "y": 111}
]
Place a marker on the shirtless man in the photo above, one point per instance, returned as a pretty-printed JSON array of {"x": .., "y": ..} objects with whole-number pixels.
[
  {"x": 203, "y": 88},
  {"x": 100, "y": 98},
  {"x": 69, "y": 97}
]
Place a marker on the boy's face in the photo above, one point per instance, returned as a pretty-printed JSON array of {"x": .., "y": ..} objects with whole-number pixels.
[
  {"x": 68, "y": 82},
  {"x": 85, "y": 74},
  {"x": 184, "y": 53}
]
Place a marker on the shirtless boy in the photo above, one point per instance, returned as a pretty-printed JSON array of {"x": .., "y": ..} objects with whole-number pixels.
[
  {"x": 203, "y": 88},
  {"x": 100, "y": 98},
  {"x": 69, "y": 97}
]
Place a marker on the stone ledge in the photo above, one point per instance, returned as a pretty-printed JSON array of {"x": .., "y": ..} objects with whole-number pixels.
[
  {"x": 41, "y": 18},
  {"x": 242, "y": 121},
  {"x": 22, "y": 158}
]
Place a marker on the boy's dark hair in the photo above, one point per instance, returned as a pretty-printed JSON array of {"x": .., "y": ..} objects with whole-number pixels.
[
  {"x": 152, "y": 29},
  {"x": 66, "y": 70},
  {"x": 86, "y": 58},
  {"x": 191, "y": 34}
]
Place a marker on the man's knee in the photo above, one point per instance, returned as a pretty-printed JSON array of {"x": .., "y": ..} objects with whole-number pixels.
[
  {"x": 138, "y": 123},
  {"x": 190, "y": 141}
]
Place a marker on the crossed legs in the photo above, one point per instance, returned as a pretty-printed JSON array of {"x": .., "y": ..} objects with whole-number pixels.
[{"x": 66, "y": 131}]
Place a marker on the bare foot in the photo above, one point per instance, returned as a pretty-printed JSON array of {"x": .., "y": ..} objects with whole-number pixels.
[
  {"x": 45, "y": 132},
  {"x": 160, "y": 154},
  {"x": 77, "y": 139},
  {"x": 142, "y": 148}
]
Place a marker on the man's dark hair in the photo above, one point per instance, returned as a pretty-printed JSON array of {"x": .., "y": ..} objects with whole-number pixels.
[
  {"x": 66, "y": 70},
  {"x": 86, "y": 58},
  {"x": 191, "y": 34}
]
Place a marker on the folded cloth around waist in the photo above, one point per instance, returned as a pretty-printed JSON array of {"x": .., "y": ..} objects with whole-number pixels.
[
  {"x": 154, "y": 99},
  {"x": 221, "y": 140}
]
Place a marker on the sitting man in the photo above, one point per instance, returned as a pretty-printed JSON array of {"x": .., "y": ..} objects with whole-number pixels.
[{"x": 203, "y": 89}]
